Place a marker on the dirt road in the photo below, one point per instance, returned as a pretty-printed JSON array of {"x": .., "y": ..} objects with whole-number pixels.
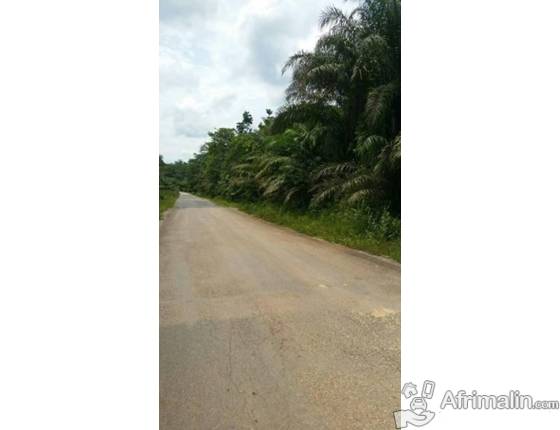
[{"x": 264, "y": 328}]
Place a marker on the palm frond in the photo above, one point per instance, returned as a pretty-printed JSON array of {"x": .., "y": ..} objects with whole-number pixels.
[
  {"x": 334, "y": 169},
  {"x": 291, "y": 193},
  {"x": 273, "y": 185},
  {"x": 328, "y": 193},
  {"x": 332, "y": 15},
  {"x": 298, "y": 58},
  {"x": 306, "y": 112},
  {"x": 358, "y": 182},
  {"x": 360, "y": 196},
  {"x": 367, "y": 148},
  {"x": 380, "y": 99}
]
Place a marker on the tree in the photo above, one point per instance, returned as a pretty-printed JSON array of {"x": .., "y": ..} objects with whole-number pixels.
[
  {"x": 354, "y": 67},
  {"x": 245, "y": 125},
  {"x": 336, "y": 141}
]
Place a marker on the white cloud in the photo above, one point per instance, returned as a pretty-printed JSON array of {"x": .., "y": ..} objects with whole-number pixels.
[{"x": 221, "y": 57}]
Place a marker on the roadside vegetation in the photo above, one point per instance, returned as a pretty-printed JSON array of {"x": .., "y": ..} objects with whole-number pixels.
[
  {"x": 168, "y": 189},
  {"x": 327, "y": 163},
  {"x": 167, "y": 199}
]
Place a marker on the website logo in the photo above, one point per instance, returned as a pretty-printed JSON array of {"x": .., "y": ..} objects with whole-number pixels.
[{"x": 418, "y": 414}]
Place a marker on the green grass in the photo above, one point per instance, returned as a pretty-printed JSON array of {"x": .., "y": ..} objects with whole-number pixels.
[
  {"x": 345, "y": 227},
  {"x": 166, "y": 200}
]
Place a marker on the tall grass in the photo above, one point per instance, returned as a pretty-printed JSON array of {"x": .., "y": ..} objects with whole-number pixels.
[{"x": 167, "y": 199}]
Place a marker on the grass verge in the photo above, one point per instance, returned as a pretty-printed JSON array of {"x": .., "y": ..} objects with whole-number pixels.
[
  {"x": 167, "y": 199},
  {"x": 342, "y": 227}
]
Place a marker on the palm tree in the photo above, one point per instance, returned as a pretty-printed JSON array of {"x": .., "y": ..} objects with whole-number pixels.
[
  {"x": 356, "y": 61},
  {"x": 373, "y": 178},
  {"x": 281, "y": 171},
  {"x": 355, "y": 68},
  {"x": 338, "y": 136}
]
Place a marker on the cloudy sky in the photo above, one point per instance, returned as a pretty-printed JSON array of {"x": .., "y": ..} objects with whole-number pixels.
[{"x": 221, "y": 57}]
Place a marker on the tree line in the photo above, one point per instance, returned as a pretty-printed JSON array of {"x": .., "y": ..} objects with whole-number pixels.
[{"x": 335, "y": 142}]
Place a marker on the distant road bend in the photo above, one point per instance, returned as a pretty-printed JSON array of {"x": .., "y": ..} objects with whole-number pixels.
[{"x": 264, "y": 328}]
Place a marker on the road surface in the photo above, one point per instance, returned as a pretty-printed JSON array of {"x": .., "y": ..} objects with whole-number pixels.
[{"x": 264, "y": 328}]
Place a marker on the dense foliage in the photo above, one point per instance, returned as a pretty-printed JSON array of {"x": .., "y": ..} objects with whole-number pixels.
[{"x": 336, "y": 141}]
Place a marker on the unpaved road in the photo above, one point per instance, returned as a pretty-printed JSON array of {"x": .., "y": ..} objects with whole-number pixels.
[{"x": 263, "y": 328}]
